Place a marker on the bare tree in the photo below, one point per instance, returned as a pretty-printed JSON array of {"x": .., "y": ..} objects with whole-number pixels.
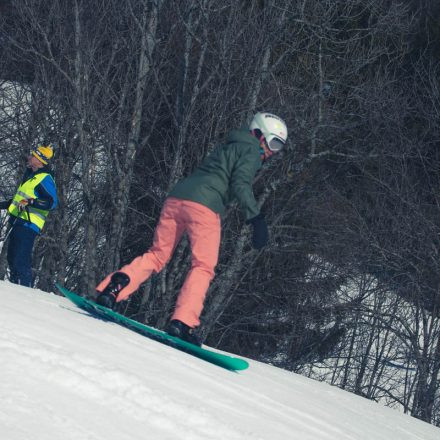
[{"x": 135, "y": 94}]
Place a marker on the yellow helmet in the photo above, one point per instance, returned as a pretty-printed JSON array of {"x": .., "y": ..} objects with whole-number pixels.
[{"x": 43, "y": 152}]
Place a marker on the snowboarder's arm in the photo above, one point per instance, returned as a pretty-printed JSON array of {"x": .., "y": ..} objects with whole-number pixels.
[{"x": 242, "y": 179}]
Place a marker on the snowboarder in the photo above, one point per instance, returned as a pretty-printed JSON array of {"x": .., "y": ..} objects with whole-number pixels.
[
  {"x": 28, "y": 210},
  {"x": 194, "y": 206}
]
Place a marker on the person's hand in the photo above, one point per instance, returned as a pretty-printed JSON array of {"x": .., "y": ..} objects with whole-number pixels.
[
  {"x": 260, "y": 232},
  {"x": 22, "y": 204}
]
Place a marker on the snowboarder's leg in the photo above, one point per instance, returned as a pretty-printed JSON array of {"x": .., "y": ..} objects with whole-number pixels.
[
  {"x": 204, "y": 230},
  {"x": 166, "y": 236}
]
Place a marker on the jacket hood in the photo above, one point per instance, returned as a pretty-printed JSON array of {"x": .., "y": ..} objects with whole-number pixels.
[{"x": 242, "y": 135}]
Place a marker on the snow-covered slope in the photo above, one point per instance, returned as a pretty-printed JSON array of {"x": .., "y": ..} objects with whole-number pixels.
[{"x": 65, "y": 375}]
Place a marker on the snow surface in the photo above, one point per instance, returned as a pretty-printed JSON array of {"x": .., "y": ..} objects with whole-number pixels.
[{"x": 65, "y": 375}]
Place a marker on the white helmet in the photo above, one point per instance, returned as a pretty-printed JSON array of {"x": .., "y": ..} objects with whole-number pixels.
[{"x": 274, "y": 130}]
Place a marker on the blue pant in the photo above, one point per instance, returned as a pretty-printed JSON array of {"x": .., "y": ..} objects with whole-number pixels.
[{"x": 21, "y": 243}]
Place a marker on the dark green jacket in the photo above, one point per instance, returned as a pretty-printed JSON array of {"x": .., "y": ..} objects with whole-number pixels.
[{"x": 225, "y": 176}]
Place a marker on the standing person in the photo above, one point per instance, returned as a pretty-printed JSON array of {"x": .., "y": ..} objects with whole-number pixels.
[
  {"x": 194, "y": 206},
  {"x": 28, "y": 210}
]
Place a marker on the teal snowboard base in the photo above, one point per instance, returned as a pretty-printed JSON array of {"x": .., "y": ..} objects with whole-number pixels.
[{"x": 222, "y": 360}]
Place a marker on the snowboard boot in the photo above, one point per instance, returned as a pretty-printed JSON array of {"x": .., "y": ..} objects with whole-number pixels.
[
  {"x": 182, "y": 331},
  {"x": 107, "y": 298}
]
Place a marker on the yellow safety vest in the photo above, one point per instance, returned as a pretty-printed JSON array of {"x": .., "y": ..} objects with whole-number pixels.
[{"x": 27, "y": 191}]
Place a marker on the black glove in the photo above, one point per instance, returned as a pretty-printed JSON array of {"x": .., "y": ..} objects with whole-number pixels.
[
  {"x": 260, "y": 233},
  {"x": 5, "y": 204}
]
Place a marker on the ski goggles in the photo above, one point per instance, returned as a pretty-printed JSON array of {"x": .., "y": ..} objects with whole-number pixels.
[{"x": 275, "y": 144}]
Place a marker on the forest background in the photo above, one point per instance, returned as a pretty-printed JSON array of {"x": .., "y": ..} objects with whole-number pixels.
[{"x": 134, "y": 95}]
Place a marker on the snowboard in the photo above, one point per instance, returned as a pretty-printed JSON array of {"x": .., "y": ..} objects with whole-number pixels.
[{"x": 222, "y": 360}]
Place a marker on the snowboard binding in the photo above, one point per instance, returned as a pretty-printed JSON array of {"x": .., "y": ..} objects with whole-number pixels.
[
  {"x": 107, "y": 298},
  {"x": 182, "y": 331}
]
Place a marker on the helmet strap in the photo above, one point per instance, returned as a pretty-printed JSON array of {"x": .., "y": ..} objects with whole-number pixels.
[{"x": 265, "y": 152}]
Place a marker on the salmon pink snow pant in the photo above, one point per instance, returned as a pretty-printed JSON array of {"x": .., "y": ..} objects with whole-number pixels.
[{"x": 203, "y": 228}]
